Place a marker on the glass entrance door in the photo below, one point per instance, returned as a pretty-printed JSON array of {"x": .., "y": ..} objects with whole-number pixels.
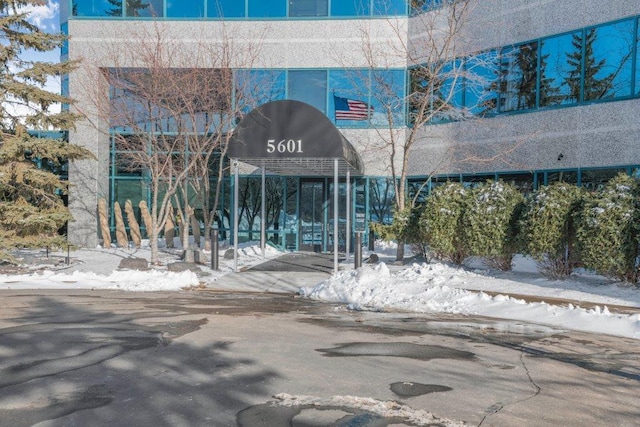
[{"x": 312, "y": 215}]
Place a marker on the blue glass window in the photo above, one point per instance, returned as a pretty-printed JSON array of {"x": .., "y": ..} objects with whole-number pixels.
[
  {"x": 556, "y": 76},
  {"x": 308, "y": 7},
  {"x": 607, "y": 61},
  {"x": 352, "y": 85},
  {"x": 389, "y": 7},
  {"x": 482, "y": 81},
  {"x": 387, "y": 98},
  {"x": 308, "y": 86},
  {"x": 350, "y": 8},
  {"x": 225, "y": 8},
  {"x": 96, "y": 8},
  {"x": 185, "y": 8},
  {"x": 519, "y": 69},
  {"x": 638, "y": 58},
  {"x": 257, "y": 87},
  {"x": 144, "y": 8},
  {"x": 267, "y": 8},
  {"x": 448, "y": 103}
]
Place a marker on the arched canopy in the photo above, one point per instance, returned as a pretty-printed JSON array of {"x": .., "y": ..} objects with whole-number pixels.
[{"x": 293, "y": 138}]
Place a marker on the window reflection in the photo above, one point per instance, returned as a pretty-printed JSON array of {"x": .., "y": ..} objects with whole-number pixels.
[
  {"x": 389, "y": 7},
  {"x": 351, "y": 84},
  {"x": 309, "y": 86},
  {"x": 257, "y": 87},
  {"x": 388, "y": 98},
  {"x": 267, "y": 9},
  {"x": 225, "y": 8},
  {"x": 637, "y": 90},
  {"x": 350, "y": 8},
  {"x": 144, "y": 8},
  {"x": 308, "y": 7},
  {"x": 482, "y": 81},
  {"x": 519, "y": 70},
  {"x": 608, "y": 51},
  {"x": 556, "y": 76},
  {"x": 96, "y": 8},
  {"x": 185, "y": 8}
]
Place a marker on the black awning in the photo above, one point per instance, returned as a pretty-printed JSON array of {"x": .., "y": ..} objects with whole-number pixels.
[{"x": 293, "y": 138}]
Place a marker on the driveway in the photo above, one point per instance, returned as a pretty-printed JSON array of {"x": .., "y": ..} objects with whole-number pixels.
[{"x": 78, "y": 358}]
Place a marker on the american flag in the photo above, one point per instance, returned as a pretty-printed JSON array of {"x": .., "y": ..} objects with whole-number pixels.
[{"x": 349, "y": 109}]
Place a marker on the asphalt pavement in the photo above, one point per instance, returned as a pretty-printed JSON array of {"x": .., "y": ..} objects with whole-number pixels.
[{"x": 203, "y": 358}]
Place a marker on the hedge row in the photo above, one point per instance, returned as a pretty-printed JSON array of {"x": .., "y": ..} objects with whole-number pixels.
[{"x": 561, "y": 226}]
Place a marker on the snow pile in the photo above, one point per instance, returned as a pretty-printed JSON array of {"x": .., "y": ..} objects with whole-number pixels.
[
  {"x": 385, "y": 409},
  {"x": 438, "y": 288},
  {"x": 139, "y": 281}
]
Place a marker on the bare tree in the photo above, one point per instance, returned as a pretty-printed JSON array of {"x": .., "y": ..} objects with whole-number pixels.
[
  {"x": 433, "y": 47},
  {"x": 170, "y": 109}
]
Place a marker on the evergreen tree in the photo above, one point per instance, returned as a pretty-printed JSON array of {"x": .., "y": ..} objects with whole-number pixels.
[
  {"x": 31, "y": 207},
  {"x": 116, "y": 9},
  {"x": 527, "y": 62},
  {"x": 134, "y": 7},
  {"x": 594, "y": 87}
]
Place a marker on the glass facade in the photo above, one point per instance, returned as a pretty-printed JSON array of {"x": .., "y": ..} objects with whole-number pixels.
[
  {"x": 252, "y": 9},
  {"x": 597, "y": 63}
]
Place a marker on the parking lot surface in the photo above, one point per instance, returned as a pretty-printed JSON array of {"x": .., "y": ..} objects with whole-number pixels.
[{"x": 78, "y": 358}]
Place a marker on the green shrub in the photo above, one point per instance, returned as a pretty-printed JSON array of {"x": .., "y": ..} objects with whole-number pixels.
[
  {"x": 403, "y": 228},
  {"x": 548, "y": 229},
  {"x": 441, "y": 222},
  {"x": 607, "y": 232},
  {"x": 491, "y": 222}
]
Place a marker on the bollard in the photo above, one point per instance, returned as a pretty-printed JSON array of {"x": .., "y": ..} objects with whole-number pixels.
[
  {"x": 372, "y": 240},
  {"x": 357, "y": 251},
  {"x": 214, "y": 250},
  {"x": 68, "y": 259}
]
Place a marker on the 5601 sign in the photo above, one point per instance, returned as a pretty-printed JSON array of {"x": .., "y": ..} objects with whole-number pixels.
[{"x": 284, "y": 146}]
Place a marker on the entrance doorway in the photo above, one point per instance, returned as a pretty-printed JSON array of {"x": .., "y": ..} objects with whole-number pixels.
[{"x": 312, "y": 214}]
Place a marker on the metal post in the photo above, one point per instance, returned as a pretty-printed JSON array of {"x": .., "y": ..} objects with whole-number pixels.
[
  {"x": 263, "y": 219},
  {"x": 348, "y": 224},
  {"x": 68, "y": 259},
  {"x": 214, "y": 249},
  {"x": 372, "y": 240},
  {"x": 357, "y": 250},
  {"x": 335, "y": 216},
  {"x": 236, "y": 196}
]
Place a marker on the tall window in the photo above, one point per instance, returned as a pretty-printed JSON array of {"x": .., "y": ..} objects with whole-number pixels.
[
  {"x": 256, "y": 87},
  {"x": 556, "y": 77},
  {"x": 352, "y": 85},
  {"x": 519, "y": 69},
  {"x": 638, "y": 59},
  {"x": 309, "y": 86},
  {"x": 608, "y": 61},
  {"x": 308, "y": 7},
  {"x": 482, "y": 83},
  {"x": 388, "y": 98}
]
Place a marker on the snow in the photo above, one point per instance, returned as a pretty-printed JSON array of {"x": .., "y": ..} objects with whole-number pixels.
[
  {"x": 597, "y": 306},
  {"x": 385, "y": 409}
]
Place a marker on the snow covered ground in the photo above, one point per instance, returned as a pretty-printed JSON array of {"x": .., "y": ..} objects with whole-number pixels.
[{"x": 423, "y": 288}]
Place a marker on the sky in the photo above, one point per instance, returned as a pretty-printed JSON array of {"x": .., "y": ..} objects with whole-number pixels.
[{"x": 418, "y": 288}]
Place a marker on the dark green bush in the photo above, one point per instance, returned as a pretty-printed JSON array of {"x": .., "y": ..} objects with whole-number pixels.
[
  {"x": 548, "y": 228},
  {"x": 441, "y": 222},
  {"x": 491, "y": 223},
  {"x": 607, "y": 231}
]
